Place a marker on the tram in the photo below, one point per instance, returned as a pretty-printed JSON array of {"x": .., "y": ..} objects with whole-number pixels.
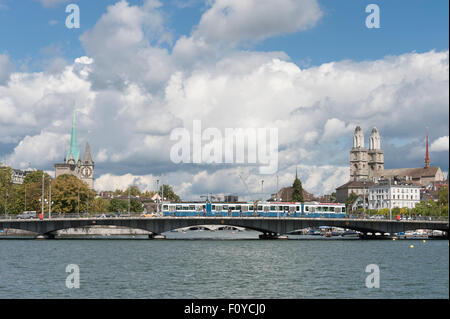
[{"x": 256, "y": 209}]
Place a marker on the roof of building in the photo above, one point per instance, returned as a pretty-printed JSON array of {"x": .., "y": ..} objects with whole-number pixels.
[
  {"x": 417, "y": 172},
  {"x": 356, "y": 184}
]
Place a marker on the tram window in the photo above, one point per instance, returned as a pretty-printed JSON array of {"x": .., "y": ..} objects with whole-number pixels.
[
  {"x": 218, "y": 208},
  {"x": 179, "y": 207},
  {"x": 250, "y": 207},
  {"x": 286, "y": 207},
  {"x": 238, "y": 207},
  {"x": 260, "y": 207},
  {"x": 343, "y": 209},
  {"x": 165, "y": 207},
  {"x": 266, "y": 208},
  {"x": 280, "y": 208},
  {"x": 312, "y": 209},
  {"x": 198, "y": 208},
  {"x": 298, "y": 208},
  {"x": 225, "y": 207},
  {"x": 337, "y": 210},
  {"x": 191, "y": 207},
  {"x": 213, "y": 207},
  {"x": 292, "y": 209},
  {"x": 244, "y": 208},
  {"x": 185, "y": 208},
  {"x": 232, "y": 208},
  {"x": 273, "y": 208},
  {"x": 306, "y": 208}
]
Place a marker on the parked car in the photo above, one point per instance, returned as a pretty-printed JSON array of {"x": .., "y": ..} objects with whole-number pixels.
[{"x": 27, "y": 215}]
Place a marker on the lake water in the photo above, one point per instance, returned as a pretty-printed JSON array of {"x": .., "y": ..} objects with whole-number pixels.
[{"x": 243, "y": 268}]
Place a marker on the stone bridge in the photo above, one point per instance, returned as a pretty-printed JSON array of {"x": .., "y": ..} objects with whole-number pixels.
[{"x": 270, "y": 227}]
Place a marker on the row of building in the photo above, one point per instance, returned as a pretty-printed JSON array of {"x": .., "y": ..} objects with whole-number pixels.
[{"x": 378, "y": 187}]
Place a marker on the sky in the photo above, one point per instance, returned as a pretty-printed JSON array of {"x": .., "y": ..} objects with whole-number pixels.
[{"x": 136, "y": 71}]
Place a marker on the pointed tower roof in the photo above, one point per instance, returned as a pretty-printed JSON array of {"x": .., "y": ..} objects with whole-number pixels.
[
  {"x": 74, "y": 151},
  {"x": 87, "y": 159}
]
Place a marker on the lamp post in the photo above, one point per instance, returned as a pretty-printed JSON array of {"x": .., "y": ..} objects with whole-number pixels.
[
  {"x": 42, "y": 201},
  {"x": 157, "y": 198},
  {"x": 390, "y": 200},
  {"x": 128, "y": 200},
  {"x": 78, "y": 209},
  {"x": 262, "y": 189},
  {"x": 6, "y": 204},
  {"x": 50, "y": 200}
]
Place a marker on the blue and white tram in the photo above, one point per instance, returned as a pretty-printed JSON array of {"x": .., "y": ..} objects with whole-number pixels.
[{"x": 257, "y": 209}]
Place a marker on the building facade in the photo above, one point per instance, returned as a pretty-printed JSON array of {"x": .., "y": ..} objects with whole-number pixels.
[
  {"x": 83, "y": 169},
  {"x": 388, "y": 194}
]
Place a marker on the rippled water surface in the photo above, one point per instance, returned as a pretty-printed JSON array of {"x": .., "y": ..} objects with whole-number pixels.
[{"x": 224, "y": 268}]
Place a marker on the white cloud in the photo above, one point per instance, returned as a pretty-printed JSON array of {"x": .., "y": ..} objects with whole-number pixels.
[
  {"x": 130, "y": 92},
  {"x": 440, "y": 145},
  {"x": 47, "y": 147},
  {"x": 252, "y": 20}
]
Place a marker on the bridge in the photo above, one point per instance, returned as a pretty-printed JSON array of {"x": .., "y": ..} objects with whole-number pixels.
[{"x": 270, "y": 227}]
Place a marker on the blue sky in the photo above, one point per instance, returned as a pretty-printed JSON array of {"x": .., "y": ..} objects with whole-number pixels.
[
  {"x": 406, "y": 26},
  {"x": 311, "y": 68}
]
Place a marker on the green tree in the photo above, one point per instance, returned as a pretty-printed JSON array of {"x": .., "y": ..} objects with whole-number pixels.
[
  {"x": 71, "y": 195},
  {"x": 169, "y": 194},
  {"x": 443, "y": 196},
  {"x": 118, "y": 205},
  {"x": 297, "y": 194},
  {"x": 99, "y": 205},
  {"x": 350, "y": 201}
]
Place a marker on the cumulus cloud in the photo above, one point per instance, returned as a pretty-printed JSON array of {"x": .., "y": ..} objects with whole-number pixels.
[
  {"x": 239, "y": 21},
  {"x": 440, "y": 145},
  {"x": 120, "y": 43},
  {"x": 130, "y": 93}
]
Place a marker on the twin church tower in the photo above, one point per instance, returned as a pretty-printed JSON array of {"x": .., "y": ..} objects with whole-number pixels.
[
  {"x": 366, "y": 164},
  {"x": 83, "y": 169}
]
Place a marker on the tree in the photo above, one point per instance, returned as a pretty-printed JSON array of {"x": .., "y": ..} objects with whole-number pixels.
[
  {"x": 71, "y": 195},
  {"x": 99, "y": 205},
  {"x": 350, "y": 201},
  {"x": 443, "y": 196},
  {"x": 169, "y": 194},
  {"x": 297, "y": 194},
  {"x": 118, "y": 205}
]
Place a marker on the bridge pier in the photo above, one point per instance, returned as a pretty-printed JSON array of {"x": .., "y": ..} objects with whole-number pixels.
[
  {"x": 45, "y": 236},
  {"x": 156, "y": 236},
  {"x": 271, "y": 236}
]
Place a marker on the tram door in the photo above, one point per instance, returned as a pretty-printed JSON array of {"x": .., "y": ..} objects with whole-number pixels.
[{"x": 208, "y": 209}]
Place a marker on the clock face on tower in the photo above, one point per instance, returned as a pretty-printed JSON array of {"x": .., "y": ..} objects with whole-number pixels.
[{"x": 86, "y": 171}]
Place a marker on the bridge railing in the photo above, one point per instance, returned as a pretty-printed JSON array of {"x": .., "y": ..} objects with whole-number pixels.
[{"x": 137, "y": 215}]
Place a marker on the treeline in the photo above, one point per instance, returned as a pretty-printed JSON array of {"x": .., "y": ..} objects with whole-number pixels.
[{"x": 68, "y": 195}]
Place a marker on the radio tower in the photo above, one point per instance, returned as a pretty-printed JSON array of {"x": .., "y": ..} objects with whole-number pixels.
[{"x": 427, "y": 156}]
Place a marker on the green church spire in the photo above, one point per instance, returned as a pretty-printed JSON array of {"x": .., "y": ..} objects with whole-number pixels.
[{"x": 74, "y": 152}]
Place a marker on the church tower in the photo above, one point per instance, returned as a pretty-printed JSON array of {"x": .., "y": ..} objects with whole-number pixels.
[
  {"x": 376, "y": 155},
  {"x": 87, "y": 168},
  {"x": 73, "y": 165},
  {"x": 359, "y": 164}
]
